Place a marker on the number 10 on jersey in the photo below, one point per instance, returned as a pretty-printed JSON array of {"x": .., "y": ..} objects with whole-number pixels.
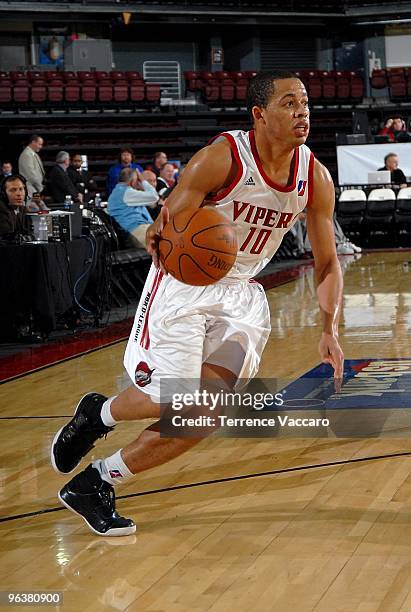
[{"x": 258, "y": 240}]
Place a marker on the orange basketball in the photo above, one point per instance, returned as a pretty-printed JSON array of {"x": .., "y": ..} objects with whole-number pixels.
[{"x": 198, "y": 246}]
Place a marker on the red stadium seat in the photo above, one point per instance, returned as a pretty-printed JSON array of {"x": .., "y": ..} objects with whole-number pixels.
[
  {"x": 88, "y": 91},
  {"x": 194, "y": 81},
  {"x": 102, "y": 75},
  {"x": 408, "y": 75},
  {"x": 212, "y": 93},
  {"x": 105, "y": 90},
  {"x": 117, "y": 75},
  {"x": 312, "y": 81},
  {"x": 120, "y": 91},
  {"x": 153, "y": 92},
  {"x": 33, "y": 75},
  {"x": 379, "y": 79},
  {"x": 357, "y": 86},
  {"x": 55, "y": 91},
  {"x": 21, "y": 91},
  {"x": 397, "y": 82},
  {"x": 342, "y": 80},
  {"x": 132, "y": 75},
  {"x": 221, "y": 75},
  {"x": 72, "y": 91},
  {"x": 5, "y": 90},
  {"x": 38, "y": 91},
  {"x": 70, "y": 76},
  {"x": 328, "y": 85},
  {"x": 16, "y": 75},
  {"x": 227, "y": 90},
  {"x": 53, "y": 75},
  {"x": 84, "y": 75},
  {"x": 137, "y": 91}
]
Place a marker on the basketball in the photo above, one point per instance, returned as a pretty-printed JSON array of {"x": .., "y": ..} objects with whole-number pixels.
[{"x": 198, "y": 246}]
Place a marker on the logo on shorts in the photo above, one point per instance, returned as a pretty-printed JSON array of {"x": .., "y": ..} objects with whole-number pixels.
[
  {"x": 143, "y": 374},
  {"x": 115, "y": 474}
]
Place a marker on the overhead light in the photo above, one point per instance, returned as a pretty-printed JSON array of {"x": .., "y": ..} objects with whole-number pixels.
[{"x": 126, "y": 18}]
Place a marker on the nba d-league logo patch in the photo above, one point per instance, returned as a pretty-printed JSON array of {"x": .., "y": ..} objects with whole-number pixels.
[
  {"x": 301, "y": 187},
  {"x": 143, "y": 374}
]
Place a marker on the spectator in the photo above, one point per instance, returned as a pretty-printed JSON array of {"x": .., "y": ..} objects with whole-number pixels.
[
  {"x": 166, "y": 178},
  {"x": 6, "y": 169},
  {"x": 80, "y": 178},
  {"x": 397, "y": 175},
  {"x": 127, "y": 204},
  {"x": 36, "y": 203},
  {"x": 125, "y": 161},
  {"x": 160, "y": 158},
  {"x": 151, "y": 178},
  {"x": 30, "y": 165},
  {"x": 60, "y": 184},
  {"x": 12, "y": 200},
  {"x": 394, "y": 128}
]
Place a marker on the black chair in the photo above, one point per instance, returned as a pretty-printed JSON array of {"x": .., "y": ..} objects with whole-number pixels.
[
  {"x": 403, "y": 217},
  {"x": 350, "y": 212},
  {"x": 379, "y": 219}
]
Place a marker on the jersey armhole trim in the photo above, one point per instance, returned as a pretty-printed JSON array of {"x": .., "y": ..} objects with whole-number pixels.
[
  {"x": 234, "y": 149},
  {"x": 310, "y": 180}
]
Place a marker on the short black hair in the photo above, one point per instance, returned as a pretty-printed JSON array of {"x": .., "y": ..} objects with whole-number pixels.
[
  {"x": 261, "y": 87},
  {"x": 34, "y": 138}
]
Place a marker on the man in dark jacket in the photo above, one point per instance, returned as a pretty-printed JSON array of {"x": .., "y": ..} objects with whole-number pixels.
[
  {"x": 81, "y": 179},
  {"x": 59, "y": 183},
  {"x": 12, "y": 210},
  {"x": 397, "y": 175}
]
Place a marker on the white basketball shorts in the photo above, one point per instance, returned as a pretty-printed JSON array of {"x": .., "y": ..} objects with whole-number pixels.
[{"x": 179, "y": 327}]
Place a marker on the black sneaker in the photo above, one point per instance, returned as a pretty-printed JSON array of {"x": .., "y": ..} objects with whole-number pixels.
[
  {"x": 73, "y": 441},
  {"x": 91, "y": 497}
]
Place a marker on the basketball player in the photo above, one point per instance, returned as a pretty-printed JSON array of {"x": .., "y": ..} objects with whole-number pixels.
[{"x": 261, "y": 180}]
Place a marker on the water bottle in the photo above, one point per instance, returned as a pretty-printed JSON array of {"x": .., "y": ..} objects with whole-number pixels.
[
  {"x": 97, "y": 201},
  {"x": 43, "y": 230},
  {"x": 67, "y": 203}
]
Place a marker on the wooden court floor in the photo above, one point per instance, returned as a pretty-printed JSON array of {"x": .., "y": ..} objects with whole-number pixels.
[{"x": 331, "y": 538}]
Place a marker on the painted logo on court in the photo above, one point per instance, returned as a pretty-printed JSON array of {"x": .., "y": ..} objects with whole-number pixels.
[
  {"x": 368, "y": 384},
  {"x": 143, "y": 374}
]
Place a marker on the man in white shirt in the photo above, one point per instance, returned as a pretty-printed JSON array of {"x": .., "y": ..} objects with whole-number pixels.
[{"x": 31, "y": 166}]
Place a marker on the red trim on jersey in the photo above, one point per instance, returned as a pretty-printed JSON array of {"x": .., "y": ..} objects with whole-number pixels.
[
  {"x": 310, "y": 180},
  {"x": 223, "y": 194},
  {"x": 145, "y": 336},
  {"x": 266, "y": 178}
]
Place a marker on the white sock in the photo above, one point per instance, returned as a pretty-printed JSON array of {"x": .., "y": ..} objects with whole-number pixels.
[
  {"x": 106, "y": 415},
  {"x": 113, "y": 469}
]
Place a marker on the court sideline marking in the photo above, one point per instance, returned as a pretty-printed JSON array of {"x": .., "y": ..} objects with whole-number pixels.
[{"x": 221, "y": 480}]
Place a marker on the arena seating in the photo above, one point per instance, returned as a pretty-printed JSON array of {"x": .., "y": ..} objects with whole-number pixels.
[
  {"x": 225, "y": 88},
  {"x": 179, "y": 134},
  {"x": 53, "y": 88},
  {"x": 351, "y": 209},
  {"x": 398, "y": 81},
  {"x": 381, "y": 219}
]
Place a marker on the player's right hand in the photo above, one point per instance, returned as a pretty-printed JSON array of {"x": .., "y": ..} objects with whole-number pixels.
[
  {"x": 331, "y": 352},
  {"x": 153, "y": 236}
]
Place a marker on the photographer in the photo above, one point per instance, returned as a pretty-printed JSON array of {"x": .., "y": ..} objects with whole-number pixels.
[{"x": 13, "y": 196}]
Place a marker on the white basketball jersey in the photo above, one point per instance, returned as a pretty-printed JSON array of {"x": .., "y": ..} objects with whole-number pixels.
[{"x": 262, "y": 211}]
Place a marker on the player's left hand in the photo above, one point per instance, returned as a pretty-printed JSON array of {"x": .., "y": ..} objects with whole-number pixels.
[
  {"x": 153, "y": 236},
  {"x": 331, "y": 352}
]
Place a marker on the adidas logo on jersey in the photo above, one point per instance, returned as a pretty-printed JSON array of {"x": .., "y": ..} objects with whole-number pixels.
[{"x": 249, "y": 181}]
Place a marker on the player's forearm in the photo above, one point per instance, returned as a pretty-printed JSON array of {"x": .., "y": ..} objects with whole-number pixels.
[{"x": 329, "y": 292}]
